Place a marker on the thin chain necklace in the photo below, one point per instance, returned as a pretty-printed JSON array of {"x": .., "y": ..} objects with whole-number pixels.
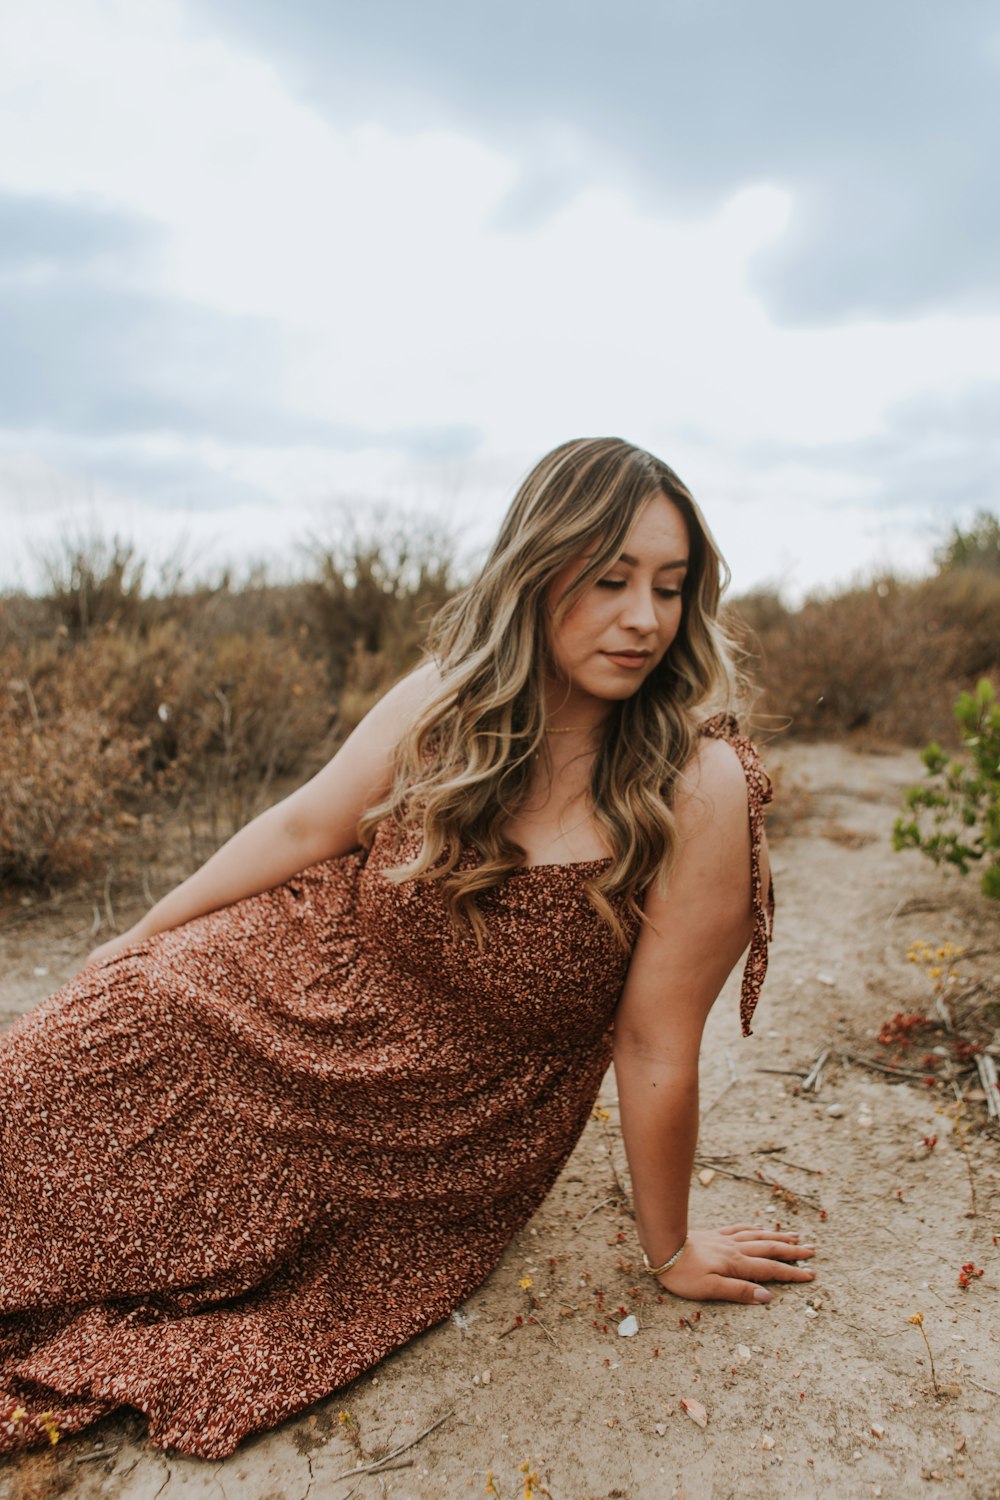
[{"x": 571, "y": 730}]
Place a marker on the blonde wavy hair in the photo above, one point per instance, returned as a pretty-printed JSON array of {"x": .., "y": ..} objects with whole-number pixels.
[{"x": 464, "y": 766}]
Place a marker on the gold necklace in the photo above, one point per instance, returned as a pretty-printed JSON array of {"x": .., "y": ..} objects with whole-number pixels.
[{"x": 571, "y": 730}]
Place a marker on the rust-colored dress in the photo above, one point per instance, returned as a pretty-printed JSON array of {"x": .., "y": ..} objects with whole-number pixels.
[{"x": 245, "y": 1159}]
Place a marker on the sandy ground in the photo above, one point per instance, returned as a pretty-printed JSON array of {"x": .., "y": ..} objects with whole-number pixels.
[{"x": 825, "y": 1392}]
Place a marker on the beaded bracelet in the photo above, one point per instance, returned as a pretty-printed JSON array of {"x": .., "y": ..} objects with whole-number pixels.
[{"x": 659, "y": 1270}]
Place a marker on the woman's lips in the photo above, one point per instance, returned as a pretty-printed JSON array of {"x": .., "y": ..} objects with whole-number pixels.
[{"x": 631, "y": 662}]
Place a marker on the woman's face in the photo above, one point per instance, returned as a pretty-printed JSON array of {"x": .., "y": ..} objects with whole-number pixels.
[{"x": 620, "y": 628}]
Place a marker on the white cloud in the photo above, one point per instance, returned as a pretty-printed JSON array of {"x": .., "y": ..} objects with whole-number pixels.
[{"x": 404, "y": 299}]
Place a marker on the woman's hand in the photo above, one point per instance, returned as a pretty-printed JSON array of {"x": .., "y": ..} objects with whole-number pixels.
[
  {"x": 112, "y": 947},
  {"x": 727, "y": 1264}
]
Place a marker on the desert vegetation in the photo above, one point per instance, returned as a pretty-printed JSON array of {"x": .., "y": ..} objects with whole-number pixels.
[{"x": 125, "y": 700}]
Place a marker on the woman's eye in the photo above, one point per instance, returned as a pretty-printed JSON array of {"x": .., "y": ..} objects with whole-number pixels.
[
  {"x": 611, "y": 583},
  {"x": 669, "y": 593}
]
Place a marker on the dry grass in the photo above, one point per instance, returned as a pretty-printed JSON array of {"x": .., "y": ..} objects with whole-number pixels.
[
  {"x": 117, "y": 700},
  {"x": 888, "y": 658}
]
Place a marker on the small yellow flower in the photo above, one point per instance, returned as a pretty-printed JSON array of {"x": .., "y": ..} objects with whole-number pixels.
[
  {"x": 491, "y": 1488},
  {"x": 917, "y": 1319},
  {"x": 525, "y": 1282},
  {"x": 18, "y": 1414},
  {"x": 49, "y": 1427},
  {"x": 601, "y": 1114},
  {"x": 934, "y": 973},
  {"x": 346, "y": 1418}
]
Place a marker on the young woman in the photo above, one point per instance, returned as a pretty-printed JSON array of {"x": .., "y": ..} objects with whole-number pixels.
[{"x": 292, "y": 1118}]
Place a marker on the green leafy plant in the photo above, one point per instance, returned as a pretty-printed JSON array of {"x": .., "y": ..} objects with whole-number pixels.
[{"x": 955, "y": 815}]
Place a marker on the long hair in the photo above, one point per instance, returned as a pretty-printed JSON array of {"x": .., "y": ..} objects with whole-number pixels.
[{"x": 464, "y": 766}]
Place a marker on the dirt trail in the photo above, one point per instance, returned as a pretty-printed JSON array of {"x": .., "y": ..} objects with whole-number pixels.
[{"x": 827, "y": 1391}]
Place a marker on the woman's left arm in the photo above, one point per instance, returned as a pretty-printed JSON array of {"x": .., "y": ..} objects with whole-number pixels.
[{"x": 694, "y": 936}]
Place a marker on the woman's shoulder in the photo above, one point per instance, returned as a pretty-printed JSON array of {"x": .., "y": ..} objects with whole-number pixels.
[
  {"x": 726, "y": 758},
  {"x": 400, "y": 705}
]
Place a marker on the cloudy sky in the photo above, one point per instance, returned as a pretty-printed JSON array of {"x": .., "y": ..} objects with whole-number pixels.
[{"x": 262, "y": 259}]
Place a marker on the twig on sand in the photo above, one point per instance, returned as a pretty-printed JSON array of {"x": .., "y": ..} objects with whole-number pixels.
[
  {"x": 762, "y": 1181},
  {"x": 813, "y": 1077},
  {"x": 546, "y": 1331},
  {"x": 987, "y": 1388},
  {"x": 603, "y": 1204},
  {"x": 876, "y": 1067},
  {"x": 987, "y": 1070},
  {"x": 378, "y": 1463}
]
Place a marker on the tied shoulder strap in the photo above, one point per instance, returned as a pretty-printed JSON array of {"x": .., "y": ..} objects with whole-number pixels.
[{"x": 759, "y": 792}]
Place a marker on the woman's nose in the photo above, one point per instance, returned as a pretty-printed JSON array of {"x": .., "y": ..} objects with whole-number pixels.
[{"x": 638, "y": 611}]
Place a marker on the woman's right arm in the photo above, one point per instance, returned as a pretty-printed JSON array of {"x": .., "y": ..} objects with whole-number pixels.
[{"x": 318, "y": 821}]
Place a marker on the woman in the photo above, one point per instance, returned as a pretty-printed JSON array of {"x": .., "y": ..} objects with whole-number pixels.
[{"x": 293, "y": 1116}]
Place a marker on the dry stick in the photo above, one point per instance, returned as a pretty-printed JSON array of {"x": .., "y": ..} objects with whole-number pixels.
[
  {"x": 766, "y": 1182},
  {"x": 546, "y": 1331},
  {"x": 378, "y": 1463},
  {"x": 987, "y": 1070},
  {"x": 876, "y": 1067},
  {"x": 96, "y": 1453},
  {"x": 626, "y": 1205},
  {"x": 963, "y": 1146},
  {"x": 783, "y": 1072},
  {"x": 987, "y": 1388},
  {"x": 710, "y": 1161},
  {"x": 603, "y": 1204},
  {"x": 813, "y": 1077}
]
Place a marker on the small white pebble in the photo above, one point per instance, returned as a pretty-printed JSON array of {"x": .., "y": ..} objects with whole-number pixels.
[
  {"x": 767, "y": 1443},
  {"x": 835, "y": 1111},
  {"x": 487, "y": 1377},
  {"x": 660, "y": 1428},
  {"x": 628, "y": 1326}
]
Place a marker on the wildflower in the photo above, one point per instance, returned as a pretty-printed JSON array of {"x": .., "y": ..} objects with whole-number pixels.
[
  {"x": 525, "y": 1282},
  {"x": 49, "y": 1427},
  {"x": 917, "y": 1319},
  {"x": 601, "y": 1114}
]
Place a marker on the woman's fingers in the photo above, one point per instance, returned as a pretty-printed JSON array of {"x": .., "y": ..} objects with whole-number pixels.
[
  {"x": 761, "y": 1268},
  {"x": 729, "y": 1289},
  {"x": 777, "y": 1249}
]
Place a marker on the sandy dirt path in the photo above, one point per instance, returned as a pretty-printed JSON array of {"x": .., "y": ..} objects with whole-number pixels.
[{"x": 826, "y": 1392}]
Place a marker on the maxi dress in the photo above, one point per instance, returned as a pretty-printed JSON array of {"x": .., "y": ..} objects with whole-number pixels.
[{"x": 243, "y": 1160}]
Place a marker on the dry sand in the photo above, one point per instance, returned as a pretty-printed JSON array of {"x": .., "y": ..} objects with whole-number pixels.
[{"x": 827, "y": 1391}]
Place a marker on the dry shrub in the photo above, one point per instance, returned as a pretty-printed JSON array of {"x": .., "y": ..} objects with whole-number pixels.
[
  {"x": 373, "y": 597},
  {"x": 888, "y": 657},
  {"x": 65, "y": 776},
  {"x": 119, "y": 720}
]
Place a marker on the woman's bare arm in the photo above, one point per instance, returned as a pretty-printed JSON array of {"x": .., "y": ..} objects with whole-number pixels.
[
  {"x": 318, "y": 821},
  {"x": 694, "y": 938}
]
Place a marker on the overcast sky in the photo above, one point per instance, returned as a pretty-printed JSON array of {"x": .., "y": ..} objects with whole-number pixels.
[{"x": 259, "y": 258}]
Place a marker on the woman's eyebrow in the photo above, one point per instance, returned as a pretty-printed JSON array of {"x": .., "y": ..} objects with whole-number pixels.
[{"x": 632, "y": 562}]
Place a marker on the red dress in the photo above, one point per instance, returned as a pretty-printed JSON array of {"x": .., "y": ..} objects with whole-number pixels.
[{"x": 245, "y": 1159}]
